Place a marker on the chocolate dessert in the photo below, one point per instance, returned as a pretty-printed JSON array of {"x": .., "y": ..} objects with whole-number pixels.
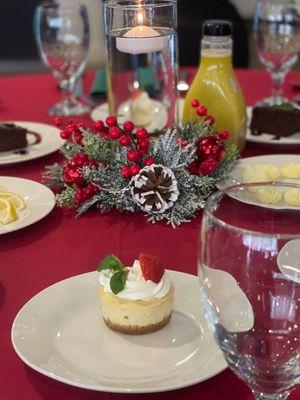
[
  {"x": 280, "y": 121},
  {"x": 12, "y": 137}
]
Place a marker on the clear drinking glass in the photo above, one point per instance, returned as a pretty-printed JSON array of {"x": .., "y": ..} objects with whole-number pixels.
[
  {"x": 249, "y": 272},
  {"x": 277, "y": 32},
  {"x": 141, "y": 47},
  {"x": 62, "y": 33}
]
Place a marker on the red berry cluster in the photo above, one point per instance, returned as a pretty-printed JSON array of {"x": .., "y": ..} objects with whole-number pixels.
[
  {"x": 201, "y": 110},
  {"x": 210, "y": 149},
  {"x": 83, "y": 194},
  {"x": 72, "y": 175},
  {"x": 137, "y": 142},
  {"x": 70, "y": 130}
]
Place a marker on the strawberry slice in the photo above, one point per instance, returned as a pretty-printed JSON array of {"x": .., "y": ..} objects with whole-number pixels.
[{"x": 152, "y": 267}]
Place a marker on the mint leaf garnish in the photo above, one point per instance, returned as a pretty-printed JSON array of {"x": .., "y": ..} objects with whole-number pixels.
[
  {"x": 284, "y": 106},
  {"x": 111, "y": 262},
  {"x": 117, "y": 281}
]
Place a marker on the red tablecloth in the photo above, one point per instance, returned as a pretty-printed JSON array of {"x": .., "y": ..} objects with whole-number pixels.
[{"x": 60, "y": 246}]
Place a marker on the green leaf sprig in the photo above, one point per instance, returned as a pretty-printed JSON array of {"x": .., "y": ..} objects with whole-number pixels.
[{"x": 118, "y": 279}]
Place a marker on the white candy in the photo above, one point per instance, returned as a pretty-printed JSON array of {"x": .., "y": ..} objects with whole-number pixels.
[
  {"x": 292, "y": 197},
  {"x": 291, "y": 171},
  {"x": 270, "y": 170},
  {"x": 269, "y": 195}
]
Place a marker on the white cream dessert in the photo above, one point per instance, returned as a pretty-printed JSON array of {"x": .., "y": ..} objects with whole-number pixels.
[
  {"x": 142, "y": 305},
  {"x": 141, "y": 109}
]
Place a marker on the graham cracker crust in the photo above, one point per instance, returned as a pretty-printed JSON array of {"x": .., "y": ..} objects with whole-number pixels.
[{"x": 137, "y": 330}]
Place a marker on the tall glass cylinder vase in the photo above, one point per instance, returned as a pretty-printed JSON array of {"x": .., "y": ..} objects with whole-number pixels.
[{"x": 141, "y": 47}]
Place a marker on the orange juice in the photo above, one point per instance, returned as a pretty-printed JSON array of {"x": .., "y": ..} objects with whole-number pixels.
[{"x": 216, "y": 86}]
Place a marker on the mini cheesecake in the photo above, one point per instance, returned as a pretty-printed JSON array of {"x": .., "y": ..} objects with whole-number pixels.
[{"x": 143, "y": 305}]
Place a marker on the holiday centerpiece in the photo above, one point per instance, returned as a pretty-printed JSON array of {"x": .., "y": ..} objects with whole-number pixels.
[{"x": 167, "y": 178}]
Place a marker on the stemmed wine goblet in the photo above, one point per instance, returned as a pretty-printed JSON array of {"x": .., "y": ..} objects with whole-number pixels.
[
  {"x": 62, "y": 34},
  {"x": 249, "y": 269},
  {"x": 277, "y": 33}
]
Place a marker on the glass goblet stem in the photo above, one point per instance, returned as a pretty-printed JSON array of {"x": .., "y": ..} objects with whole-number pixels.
[
  {"x": 277, "y": 86},
  {"x": 67, "y": 88}
]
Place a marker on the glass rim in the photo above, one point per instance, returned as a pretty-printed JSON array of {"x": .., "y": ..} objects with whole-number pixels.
[
  {"x": 144, "y": 4},
  {"x": 220, "y": 222}
]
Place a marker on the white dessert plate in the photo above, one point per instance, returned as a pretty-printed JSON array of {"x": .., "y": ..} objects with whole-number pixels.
[
  {"x": 269, "y": 139},
  {"x": 50, "y": 141},
  {"x": 236, "y": 177},
  {"x": 61, "y": 334},
  {"x": 38, "y": 198},
  {"x": 158, "y": 120}
]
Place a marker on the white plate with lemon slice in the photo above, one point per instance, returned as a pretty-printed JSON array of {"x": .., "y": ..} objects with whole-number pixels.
[{"x": 22, "y": 203}]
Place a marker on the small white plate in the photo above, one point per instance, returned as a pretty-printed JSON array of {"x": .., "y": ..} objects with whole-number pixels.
[
  {"x": 60, "y": 333},
  {"x": 269, "y": 139},
  {"x": 39, "y": 201},
  {"x": 236, "y": 177},
  {"x": 50, "y": 142},
  {"x": 158, "y": 121}
]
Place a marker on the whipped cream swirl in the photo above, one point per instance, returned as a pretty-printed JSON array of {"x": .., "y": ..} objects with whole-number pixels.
[{"x": 136, "y": 287}]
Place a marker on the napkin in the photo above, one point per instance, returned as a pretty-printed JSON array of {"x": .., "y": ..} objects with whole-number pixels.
[{"x": 146, "y": 79}]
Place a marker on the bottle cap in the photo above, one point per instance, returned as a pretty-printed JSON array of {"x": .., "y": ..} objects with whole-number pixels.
[{"x": 217, "y": 27}]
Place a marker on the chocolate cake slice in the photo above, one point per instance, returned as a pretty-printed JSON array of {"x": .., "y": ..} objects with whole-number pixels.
[
  {"x": 12, "y": 137},
  {"x": 280, "y": 121}
]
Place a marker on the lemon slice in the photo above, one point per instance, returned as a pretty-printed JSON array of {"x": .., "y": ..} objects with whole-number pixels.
[
  {"x": 14, "y": 199},
  {"x": 7, "y": 212}
]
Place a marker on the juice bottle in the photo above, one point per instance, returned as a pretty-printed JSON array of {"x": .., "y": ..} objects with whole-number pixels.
[{"x": 216, "y": 86}]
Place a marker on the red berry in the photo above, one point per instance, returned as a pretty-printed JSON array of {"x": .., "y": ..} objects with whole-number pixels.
[
  {"x": 224, "y": 135},
  {"x": 125, "y": 140},
  {"x": 142, "y": 133},
  {"x": 78, "y": 138},
  {"x": 58, "y": 121},
  {"x": 201, "y": 111},
  {"x": 115, "y": 132},
  {"x": 111, "y": 121},
  {"x": 64, "y": 134},
  {"x": 208, "y": 166},
  {"x": 193, "y": 168},
  {"x": 135, "y": 169},
  {"x": 126, "y": 172},
  {"x": 149, "y": 161},
  {"x": 152, "y": 267},
  {"x": 72, "y": 175},
  {"x": 80, "y": 159},
  {"x": 99, "y": 125},
  {"x": 182, "y": 143},
  {"x": 143, "y": 152},
  {"x": 72, "y": 129},
  {"x": 79, "y": 196},
  {"x": 210, "y": 118},
  {"x": 94, "y": 187},
  {"x": 128, "y": 126},
  {"x": 144, "y": 144},
  {"x": 92, "y": 163},
  {"x": 88, "y": 190},
  {"x": 195, "y": 103},
  {"x": 133, "y": 155}
]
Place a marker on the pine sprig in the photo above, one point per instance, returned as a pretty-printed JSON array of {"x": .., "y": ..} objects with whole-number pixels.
[
  {"x": 53, "y": 175},
  {"x": 67, "y": 197}
]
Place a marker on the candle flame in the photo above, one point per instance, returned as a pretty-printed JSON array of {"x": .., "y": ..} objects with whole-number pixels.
[{"x": 140, "y": 17}]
